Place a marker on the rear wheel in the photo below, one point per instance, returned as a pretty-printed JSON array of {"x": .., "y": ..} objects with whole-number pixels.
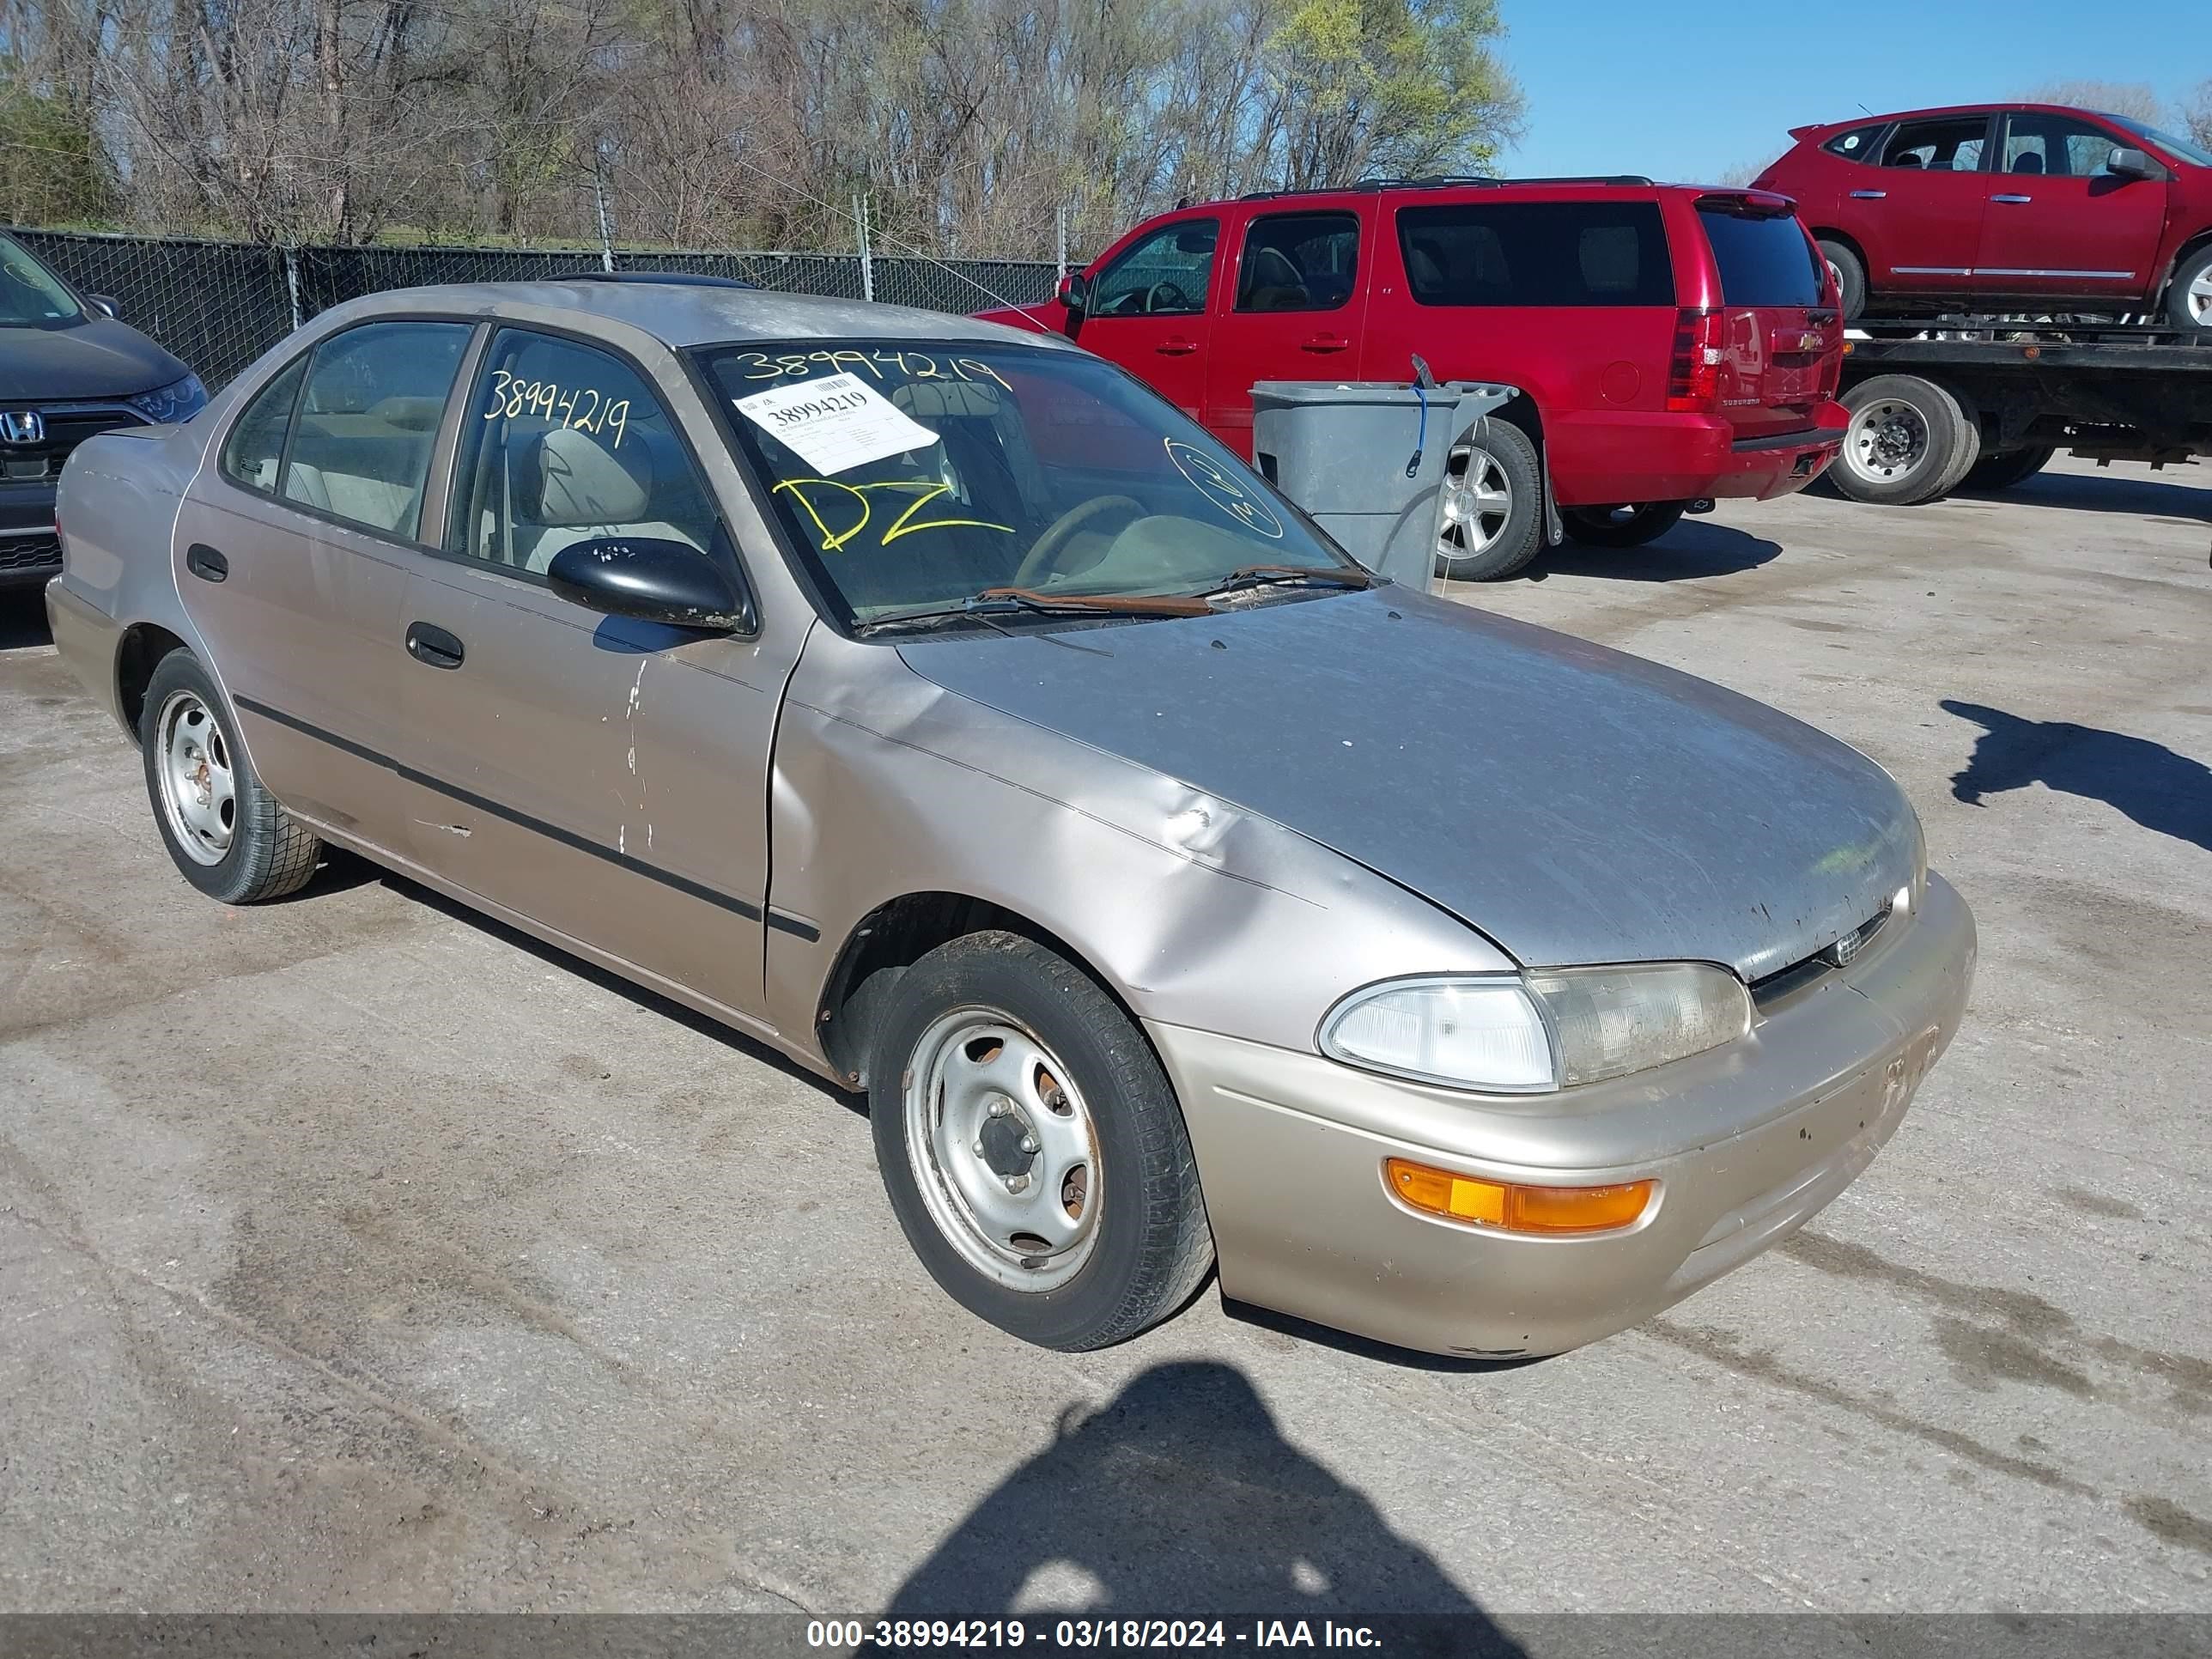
[
  {"x": 228, "y": 835},
  {"x": 1908, "y": 441},
  {"x": 1629, "y": 525},
  {"x": 2008, "y": 467},
  {"x": 1032, "y": 1148},
  {"x": 2189, "y": 296},
  {"x": 1851, "y": 276},
  {"x": 1488, "y": 507}
]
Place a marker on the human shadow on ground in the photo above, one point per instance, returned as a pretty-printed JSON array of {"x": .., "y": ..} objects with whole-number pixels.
[
  {"x": 2160, "y": 790},
  {"x": 1182, "y": 1497}
]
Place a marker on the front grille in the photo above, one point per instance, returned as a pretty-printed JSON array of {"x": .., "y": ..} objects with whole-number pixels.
[
  {"x": 29, "y": 552},
  {"x": 1826, "y": 960},
  {"x": 67, "y": 425}
]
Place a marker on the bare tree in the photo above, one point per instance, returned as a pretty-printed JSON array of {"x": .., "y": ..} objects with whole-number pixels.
[{"x": 2130, "y": 97}]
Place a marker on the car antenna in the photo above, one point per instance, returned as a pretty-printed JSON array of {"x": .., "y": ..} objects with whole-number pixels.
[{"x": 1425, "y": 381}]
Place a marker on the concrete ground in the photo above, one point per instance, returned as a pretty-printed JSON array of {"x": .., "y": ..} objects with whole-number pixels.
[{"x": 355, "y": 1253}]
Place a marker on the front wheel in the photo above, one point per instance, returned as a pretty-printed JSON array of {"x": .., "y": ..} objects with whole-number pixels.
[
  {"x": 228, "y": 835},
  {"x": 1032, "y": 1148},
  {"x": 1630, "y": 526},
  {"x": 2189, "y": 296}
]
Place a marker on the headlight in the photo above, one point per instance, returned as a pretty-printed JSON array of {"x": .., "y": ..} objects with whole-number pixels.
[
  {"x": 178, "y": 401},
  {"x": 1544, "y": 1029}
]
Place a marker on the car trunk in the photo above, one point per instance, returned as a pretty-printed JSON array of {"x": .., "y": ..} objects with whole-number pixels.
[{"x": 1780, "y": 334}]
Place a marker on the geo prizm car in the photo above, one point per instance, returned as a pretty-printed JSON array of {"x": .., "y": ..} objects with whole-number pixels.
[{"x": 937, "y": 705}]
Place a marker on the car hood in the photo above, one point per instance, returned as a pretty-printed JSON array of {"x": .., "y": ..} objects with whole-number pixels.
[
  {"x": 97, "y": 358},
  {"x": 1574, "y": 804}
]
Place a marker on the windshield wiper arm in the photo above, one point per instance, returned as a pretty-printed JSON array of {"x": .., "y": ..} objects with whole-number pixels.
[
  {"x": 1294, "y": 575},
  {"x": 1007, "y": 601}
]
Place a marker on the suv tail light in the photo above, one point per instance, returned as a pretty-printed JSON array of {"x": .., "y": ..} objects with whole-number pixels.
[{"x": 1693, "y": 376}]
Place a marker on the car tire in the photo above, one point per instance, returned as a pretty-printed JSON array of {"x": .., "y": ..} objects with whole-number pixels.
[
  {"x": 2189, "y": 295},
  {"x": 1629, "y": 525},
  {"x": 1490, "y": 506},
  {"x": 2008, "y": 467},
  {"x": 999, "y": 1062},
  {"x": 1850, "y": 278},
  {"x": 226, "y": 832},
  {"x": 1908, "y": 441}
]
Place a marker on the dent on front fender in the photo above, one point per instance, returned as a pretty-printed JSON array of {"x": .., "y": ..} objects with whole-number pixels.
[{"x": 1193, "y": 910}]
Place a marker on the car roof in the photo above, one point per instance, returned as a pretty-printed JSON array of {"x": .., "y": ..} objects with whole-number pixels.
[
  {"x": 691, "y": 314},
  {"x": 1854, "y": 123}
]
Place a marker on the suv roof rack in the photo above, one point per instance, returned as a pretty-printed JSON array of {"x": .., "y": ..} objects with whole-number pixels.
[{"x": 1449, "y": 180}]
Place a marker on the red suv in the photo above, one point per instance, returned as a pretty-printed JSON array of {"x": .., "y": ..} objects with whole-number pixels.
[
  {"x": 2007, "y": 207},
  {"x": 1670, "y": 343}
]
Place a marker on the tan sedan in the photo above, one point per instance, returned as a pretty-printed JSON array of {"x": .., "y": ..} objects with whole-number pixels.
[{"x": 938, "y": 706}]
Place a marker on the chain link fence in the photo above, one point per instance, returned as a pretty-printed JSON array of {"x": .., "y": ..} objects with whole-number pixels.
[{"x": 220, "y": 305}]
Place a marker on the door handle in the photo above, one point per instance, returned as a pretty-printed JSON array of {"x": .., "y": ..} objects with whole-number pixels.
[
  {"x": 1870, "y": 195},
  {"x": 205, "y": 562},
  {"x": 434, "y": 646},
  {"x": 2012, "y": 199},
  {"x": 1176, "y": 346},
  {"x": 1327, "y": 342}
]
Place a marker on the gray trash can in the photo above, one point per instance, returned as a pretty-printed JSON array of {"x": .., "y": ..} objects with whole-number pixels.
[{"x": 1340, "y": 449}]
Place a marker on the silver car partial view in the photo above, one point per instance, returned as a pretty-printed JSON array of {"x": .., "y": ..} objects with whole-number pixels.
[{"x": 934, "y": 704}]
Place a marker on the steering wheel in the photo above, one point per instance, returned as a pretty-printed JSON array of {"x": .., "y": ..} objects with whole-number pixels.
[
  {"x": 1048, "y": 547},
  {"x": 1169, "y": 295}
]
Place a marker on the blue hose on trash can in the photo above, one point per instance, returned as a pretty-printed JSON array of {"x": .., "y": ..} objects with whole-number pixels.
[{"x": 1422, "y": 380}]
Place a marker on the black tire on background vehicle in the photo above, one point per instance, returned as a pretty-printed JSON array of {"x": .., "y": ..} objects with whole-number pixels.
[
  {"x": 226, "y": 832},
  {"x": 1489, "y": 506},
  {"x": 2189, "y": 295},
  {"x": 1908, "y": 441},
  {"x": 1630, "y": 526},
  {"x": 1033, "y": 1149},
  {"x": 2007, "y": 467},
  {"x": 1851, "y": 276}
]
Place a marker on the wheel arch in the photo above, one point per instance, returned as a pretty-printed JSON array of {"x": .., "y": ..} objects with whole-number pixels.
[
  {"x": 892, "y": 938},
  {"x": 2190, "y": 246},
  {"x": 138, "y": 652}
]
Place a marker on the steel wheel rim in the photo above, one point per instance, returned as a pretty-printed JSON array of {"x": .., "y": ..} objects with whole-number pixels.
[
  {"x": 2200, "y": 299},
  {"x": 1004, "y": 1150},
  {"x": 1476, "y": 492},
  {"x": 1887, "y": 440},
  {"x": 199, "y": 791}
]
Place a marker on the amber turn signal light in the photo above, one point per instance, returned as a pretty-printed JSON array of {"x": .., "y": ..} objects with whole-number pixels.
[{"x": 1516, "y": 1209}]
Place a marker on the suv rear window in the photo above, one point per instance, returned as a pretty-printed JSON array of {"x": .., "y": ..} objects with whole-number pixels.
[
  {"x": 1765, "y": 258},
  {"x": 1536, "y": 253}
]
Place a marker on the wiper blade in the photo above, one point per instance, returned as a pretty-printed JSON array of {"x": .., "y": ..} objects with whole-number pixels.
[
  {"x": 1294, "y": 575},
  {"x": 1009, "y": 601}
]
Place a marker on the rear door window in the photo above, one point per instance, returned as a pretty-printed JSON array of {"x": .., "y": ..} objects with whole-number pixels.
[
  {"x": 1952, "y": 144},
  {"x": 1299, "y": 261},
  {"x": 369, "y": 419},
  {"x": 1536, "y": 253},
  {"x": 1764, "y": 259}
]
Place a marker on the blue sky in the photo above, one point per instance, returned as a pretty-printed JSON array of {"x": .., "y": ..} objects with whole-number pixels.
[{"x": 1687, "y": 91}]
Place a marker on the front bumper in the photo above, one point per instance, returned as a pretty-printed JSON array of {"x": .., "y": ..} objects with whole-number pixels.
[{"x": 1747, "y": 1143}]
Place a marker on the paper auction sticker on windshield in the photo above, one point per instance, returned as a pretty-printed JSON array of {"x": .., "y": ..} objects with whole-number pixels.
[{"x": 836, "y": 423}]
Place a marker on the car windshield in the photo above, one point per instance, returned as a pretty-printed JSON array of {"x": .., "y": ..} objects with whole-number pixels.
[
  {"x": 31, "y": 297},
  {"x": 918, "y": 475},
  {"x": 2195, "y": 154}
]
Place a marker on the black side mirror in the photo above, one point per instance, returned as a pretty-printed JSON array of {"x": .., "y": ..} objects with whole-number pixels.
[
  {"x": 651, "y": 579},
  {"x": 1075, "y": 293},
  {"x": 2126, "y": 162},
  {"x": 105, "y": 304}
]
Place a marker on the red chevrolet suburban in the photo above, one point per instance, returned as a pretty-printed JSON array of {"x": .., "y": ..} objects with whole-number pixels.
[
  {"x": 1671, "y": 343},
  {"x": 2007, "y": 207}
]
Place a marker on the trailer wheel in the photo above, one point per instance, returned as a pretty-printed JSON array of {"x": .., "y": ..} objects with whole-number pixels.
[
  {"x": 1851, "y": 276},
  {"x": 1908, "y": 441},
  {"x": 2007, "y": 467},
  {"x": 2189, "y": 295}
]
